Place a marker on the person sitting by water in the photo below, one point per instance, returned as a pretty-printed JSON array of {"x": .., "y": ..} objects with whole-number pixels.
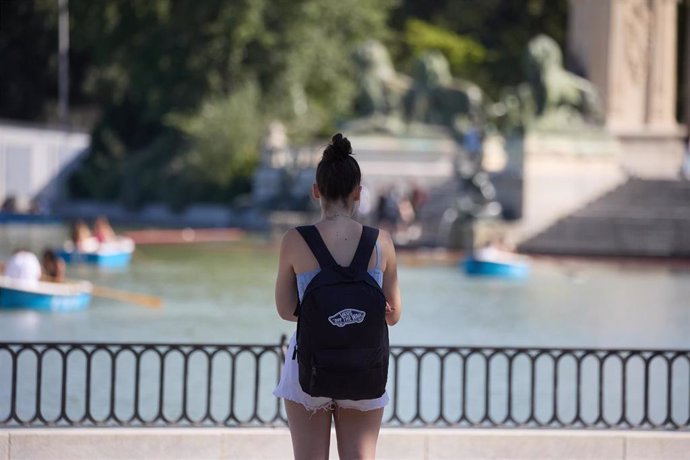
[
  {"x": 53, "y": 267},
  {"x": 103, "y": 231},
  {"x": 23, "y": 265},
  {"x": 80, "y": 235},
  {"x": 9, "y": 205}
]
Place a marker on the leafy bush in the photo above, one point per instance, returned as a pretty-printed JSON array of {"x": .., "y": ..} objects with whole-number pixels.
[
  {"x": 464, "y": 54},
  {"x": 224, "y": 138}
]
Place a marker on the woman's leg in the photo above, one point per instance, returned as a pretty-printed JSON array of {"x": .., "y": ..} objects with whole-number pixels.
[
  {"x": 357, "y": 432},
  {"x": 310, "y": 431}
]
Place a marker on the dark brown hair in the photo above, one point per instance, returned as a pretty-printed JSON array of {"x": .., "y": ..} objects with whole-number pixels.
[{"x": 338, "y": 173}]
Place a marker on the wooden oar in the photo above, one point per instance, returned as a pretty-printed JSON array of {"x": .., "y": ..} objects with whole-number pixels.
[{"x": 126, "y": 296}]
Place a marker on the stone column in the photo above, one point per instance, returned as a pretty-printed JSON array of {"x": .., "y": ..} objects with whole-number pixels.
[
  {"x": 627, "y": 48},
  {"x": 589, "y": 47},
  {"x": 686, "y": 68},
  {"x": 662, "y": 91}
]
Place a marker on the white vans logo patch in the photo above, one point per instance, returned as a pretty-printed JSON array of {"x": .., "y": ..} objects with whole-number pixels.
[{"x": 346, "y": 317}]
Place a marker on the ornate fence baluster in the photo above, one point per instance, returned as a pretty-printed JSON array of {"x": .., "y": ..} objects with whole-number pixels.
[{"x": 29, "y": 369}]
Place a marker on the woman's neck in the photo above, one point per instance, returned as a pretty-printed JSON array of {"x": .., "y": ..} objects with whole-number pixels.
[{"x": 334, "y": 212}]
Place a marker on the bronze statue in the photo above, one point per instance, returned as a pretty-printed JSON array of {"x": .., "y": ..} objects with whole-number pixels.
[
  {"x": 554, "y": 88},
  {"x": 381, "y": 90},
  {"x": 391, "y": 102},
  {"x": 438, "y": 98}
]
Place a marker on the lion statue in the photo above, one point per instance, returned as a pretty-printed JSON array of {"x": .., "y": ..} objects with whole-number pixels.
[
  {"x": 438, "y": 98},
  {"x": 556, "y": 92},
  {"x": 381, "y": 89}
]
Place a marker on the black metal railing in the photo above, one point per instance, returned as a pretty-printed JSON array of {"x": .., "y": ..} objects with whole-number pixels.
[{"x": 119, "y": 384}]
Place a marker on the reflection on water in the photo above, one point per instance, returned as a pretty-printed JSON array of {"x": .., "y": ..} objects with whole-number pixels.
[{"x": 224, "y": 293}]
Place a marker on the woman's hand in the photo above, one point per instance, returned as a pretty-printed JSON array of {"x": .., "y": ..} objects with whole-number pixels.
[
  {"x": 390, "y": 280},
  {"x": 392, "y": 316}
]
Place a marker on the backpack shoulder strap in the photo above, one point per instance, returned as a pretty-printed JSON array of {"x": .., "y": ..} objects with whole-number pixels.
[
  {"x": 313, "y": 239},
  {"x": 365, "y": 248}
]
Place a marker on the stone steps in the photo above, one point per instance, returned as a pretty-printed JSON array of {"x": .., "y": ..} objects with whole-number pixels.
[{"x": 638, "y": 218}]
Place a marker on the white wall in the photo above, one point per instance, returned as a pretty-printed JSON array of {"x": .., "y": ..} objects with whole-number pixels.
[{"x": 32, "y": 157}]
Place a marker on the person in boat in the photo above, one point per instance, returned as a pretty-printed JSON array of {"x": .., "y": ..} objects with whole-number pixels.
[
  {"x": 53, "y": 267},
  {"x": 23, "y": 265},
  {"x": 103, "y": 231},
  {"x": 80, "y": 235},
  {"x": 496, "y": 249}
]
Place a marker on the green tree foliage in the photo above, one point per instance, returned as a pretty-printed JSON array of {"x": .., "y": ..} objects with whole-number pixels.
[
  {"x": 169, "y": 77},
  {"x": 502, "y": 27},
  {"x": 194, "y": 61},
  {"x": 28, "y": 43},
  {"x": 222, "y": 138},
  {"x": 465, "y": 55},
  {"x": 148, "y": 59}
]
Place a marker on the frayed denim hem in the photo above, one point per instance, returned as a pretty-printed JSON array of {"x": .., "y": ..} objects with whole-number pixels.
[{"x": 328, "y": 406}]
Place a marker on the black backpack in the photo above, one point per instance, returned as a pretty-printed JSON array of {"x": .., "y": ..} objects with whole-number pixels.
[{"x": 342, "y": 335}]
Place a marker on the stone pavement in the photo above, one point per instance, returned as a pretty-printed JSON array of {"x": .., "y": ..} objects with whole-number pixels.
[{"x": 394, "y": 444}]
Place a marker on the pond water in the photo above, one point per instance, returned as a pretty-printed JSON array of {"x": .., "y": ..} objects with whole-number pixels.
[{"x": 223, "y": 293}]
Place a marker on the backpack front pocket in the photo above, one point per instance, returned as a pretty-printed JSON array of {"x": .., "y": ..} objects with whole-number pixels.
[{"x": 353, "y": 373}]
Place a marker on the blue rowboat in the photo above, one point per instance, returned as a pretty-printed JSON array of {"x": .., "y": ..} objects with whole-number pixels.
[
  {"x": 113, "y": 254},
  {"x": 32, "y": 219},
  {"x": 496, "y": 264},
  {"x": 497, "y": 269},
  {"x": 44, "y": 296}
]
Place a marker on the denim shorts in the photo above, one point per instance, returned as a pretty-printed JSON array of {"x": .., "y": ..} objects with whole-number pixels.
[{"x": 290, "y": 389}]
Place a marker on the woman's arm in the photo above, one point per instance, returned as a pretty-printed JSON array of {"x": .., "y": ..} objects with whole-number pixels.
[
  {"x": 286, "y": 283},
  {"x": 390, "y": 280}
]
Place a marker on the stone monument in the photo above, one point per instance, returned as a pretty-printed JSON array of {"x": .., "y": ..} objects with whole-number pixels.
[
  {"x": 423, "y": 130},
  {"x": 558, "y": 150},
  {"x": 276, "y": 171},
  {"x": 413, "y": 134},
  {"x": 628, "y": 50}
]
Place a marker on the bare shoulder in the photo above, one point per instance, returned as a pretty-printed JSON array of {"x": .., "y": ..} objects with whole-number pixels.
[
  {"x": 291, "y": 235},
  {"x": 386, "y": 244},
  {"x": 291, "y": 240},
  {"x": 293, "y": 243},
  {"x": 287, "y": 242},
  {"x": 385, "y": 237}
]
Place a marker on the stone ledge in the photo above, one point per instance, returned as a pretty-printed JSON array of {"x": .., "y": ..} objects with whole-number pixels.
[
  {"x": 654, "y": 446},
  {"x": 526, "y": 445},
  {"x": 394, "y": 444},
  {"x": 114, "y": 443},
  {"x": 4, "y": 446}
]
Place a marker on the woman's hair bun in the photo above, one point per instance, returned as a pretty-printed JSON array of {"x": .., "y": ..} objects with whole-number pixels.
[{"x": 339, "y": 148}]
